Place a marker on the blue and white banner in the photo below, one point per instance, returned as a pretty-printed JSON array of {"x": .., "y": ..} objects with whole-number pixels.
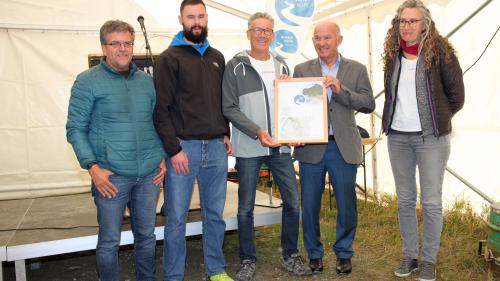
[{"x": 292, "y": 21}]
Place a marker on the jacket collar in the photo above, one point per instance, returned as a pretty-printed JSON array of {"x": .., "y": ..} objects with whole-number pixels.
[
  {"x": 179, "y": 41},
  {"x": 316, "y": 67},
  {"x": 132, "y": 68},
  {"x": 243, "y": 57}
]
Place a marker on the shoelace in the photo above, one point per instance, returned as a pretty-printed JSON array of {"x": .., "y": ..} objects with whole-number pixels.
[
  {"x": 298, "y": 262},
  {"x": 427, "y": 266},
  {"x": 246, "y": 269},
  {"x": 406, "y": 263}
]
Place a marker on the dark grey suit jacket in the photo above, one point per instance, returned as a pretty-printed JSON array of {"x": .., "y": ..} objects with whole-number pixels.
[{"x": 355, "y": 95}]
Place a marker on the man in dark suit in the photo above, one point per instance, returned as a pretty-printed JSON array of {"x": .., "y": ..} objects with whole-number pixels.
[{"x": 349, "y": 90}]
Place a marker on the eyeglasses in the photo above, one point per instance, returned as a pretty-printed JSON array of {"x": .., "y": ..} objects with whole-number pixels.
[
  {"x": 118, "y": 44},
  {"x": 260, "y": 31},
  {"x": 411, "y": 22}
]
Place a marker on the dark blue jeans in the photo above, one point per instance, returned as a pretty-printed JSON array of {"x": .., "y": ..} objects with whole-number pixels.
[
  {"x": 208, "y": 163},
  {"x": 281, "y": 166},
  {"x": 139, "y": 194},
  {"x": 312, "y": 181}
]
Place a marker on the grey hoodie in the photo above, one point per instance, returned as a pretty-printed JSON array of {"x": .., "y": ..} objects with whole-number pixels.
[{"x": 245, "y": 104}]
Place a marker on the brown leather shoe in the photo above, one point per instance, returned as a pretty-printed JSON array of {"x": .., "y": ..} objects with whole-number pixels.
[{"x": 344, "y": 266}]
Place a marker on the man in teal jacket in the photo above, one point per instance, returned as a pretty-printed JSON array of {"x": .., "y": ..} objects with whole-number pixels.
[{"x": 111, "y": 129}]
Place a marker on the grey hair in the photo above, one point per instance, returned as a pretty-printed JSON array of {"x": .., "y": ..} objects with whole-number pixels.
[
  {"x": 113, "y": 26},
  {"x": 260, "y": 15},
  {"x": 426, "y": 14}
]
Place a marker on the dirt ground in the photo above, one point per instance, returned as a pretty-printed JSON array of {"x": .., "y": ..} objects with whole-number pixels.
[
  {"x": 377, "y": 250},
  {"x": 81, "y": 266}
]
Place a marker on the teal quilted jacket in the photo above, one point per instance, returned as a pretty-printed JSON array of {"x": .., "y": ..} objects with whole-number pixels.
[{"x": 110, "y": 121}]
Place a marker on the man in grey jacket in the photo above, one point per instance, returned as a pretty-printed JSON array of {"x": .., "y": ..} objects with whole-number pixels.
[
  {"x": 349, "y": 90},
  {"x": 248, "y": 102}
]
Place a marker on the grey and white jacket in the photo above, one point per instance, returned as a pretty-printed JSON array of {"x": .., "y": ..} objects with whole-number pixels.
[{"x": 245, "y": 104}]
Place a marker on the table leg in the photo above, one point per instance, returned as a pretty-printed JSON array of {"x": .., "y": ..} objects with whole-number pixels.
[
  {"x": 364, "y": 171},
  {"x": 20, "y": 270}
]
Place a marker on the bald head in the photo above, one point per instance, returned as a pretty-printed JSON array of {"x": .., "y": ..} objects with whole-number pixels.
[
  {"x": 326, "y": 41},
  {"x": 332, "y": 26}
]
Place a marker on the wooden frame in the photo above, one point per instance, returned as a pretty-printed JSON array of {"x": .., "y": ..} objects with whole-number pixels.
[{"x": 300, "y": 110}]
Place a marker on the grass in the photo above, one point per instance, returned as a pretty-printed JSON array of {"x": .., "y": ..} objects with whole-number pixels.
[
  {"x": 378, "y": 245},
  {"x": 377, "y": 250}
]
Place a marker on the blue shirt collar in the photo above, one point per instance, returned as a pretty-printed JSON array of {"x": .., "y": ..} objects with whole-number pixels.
[{"x": 330, "y": 71}]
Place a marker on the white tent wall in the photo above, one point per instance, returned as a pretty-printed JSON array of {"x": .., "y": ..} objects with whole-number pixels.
[
  {"x": 44, "y": 45},
  {"x": 476, "y": 128}
]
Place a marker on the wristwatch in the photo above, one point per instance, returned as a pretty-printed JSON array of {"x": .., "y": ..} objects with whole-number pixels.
[{"x": 89, "y": 166}]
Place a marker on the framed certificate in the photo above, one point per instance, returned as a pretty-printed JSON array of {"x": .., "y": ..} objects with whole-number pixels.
[{"x": 300, "y": 114}]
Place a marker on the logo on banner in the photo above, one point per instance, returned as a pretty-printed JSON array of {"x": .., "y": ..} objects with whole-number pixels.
[
  {"x": 293, "y": 12},
  {"x": 285, "y": 42}
]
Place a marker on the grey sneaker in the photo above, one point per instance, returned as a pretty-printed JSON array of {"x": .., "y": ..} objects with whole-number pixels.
[
  {"x": 407, "y": 266},
  {"x": 295, "y": 264},
  {"x": 427, "y": 272},
  {"x": 247, "y": 271}
]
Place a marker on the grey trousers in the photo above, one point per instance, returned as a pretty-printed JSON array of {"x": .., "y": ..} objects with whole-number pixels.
[{"x": 430, "y": 154}]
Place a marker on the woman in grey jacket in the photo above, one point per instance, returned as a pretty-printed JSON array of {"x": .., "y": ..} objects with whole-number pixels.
[{"x": 423, "y": 90}]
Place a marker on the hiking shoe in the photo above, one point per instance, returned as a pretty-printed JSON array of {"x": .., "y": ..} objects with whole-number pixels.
[
  {"x": 344, "y": 267},
  {"x": 427, "y": 272},
  {"x": 407, "y": 266},
  {"x": 220, "y": 277},
  {"x": 295, "y": 264},
  {"x": 247, "y": 271},
  {"x": 316, "y": 265}
]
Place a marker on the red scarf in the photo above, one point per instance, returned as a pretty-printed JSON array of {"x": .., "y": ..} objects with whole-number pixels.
[{"x": 412, "y": 50}]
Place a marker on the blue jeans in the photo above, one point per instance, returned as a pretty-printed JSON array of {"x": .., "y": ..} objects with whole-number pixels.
[
  {"x": 281, "y": 166},
  {"x": 312, "y": 180},
  {"x": 140, "y": 195},
  {"x": 430, "y": 154},
  {"x": 208, "y": 163}
]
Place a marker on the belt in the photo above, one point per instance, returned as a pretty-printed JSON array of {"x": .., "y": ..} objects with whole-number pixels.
[
  {"x": 331, "y": 137},
  {"x": 396, "y": 132}
]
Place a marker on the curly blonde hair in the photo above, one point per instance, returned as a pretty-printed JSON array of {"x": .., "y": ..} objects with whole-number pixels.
[{"x": 431, "y": 41}]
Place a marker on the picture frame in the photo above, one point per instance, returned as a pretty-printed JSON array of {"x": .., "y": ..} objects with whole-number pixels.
[{"x": 300, "y": 110}]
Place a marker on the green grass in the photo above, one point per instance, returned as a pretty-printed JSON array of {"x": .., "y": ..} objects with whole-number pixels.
[{"x": 378, "y": 245}]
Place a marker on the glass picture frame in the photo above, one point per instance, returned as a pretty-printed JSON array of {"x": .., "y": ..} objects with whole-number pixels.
[{"x": 300, "y": 110}]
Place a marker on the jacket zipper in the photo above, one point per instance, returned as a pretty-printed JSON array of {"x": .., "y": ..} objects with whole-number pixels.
[
  {"x": 134, "y": 116},
  {"x": 395, "y": 96},
  {"x": 266, "y": 99},
  {"x": 431, "y": 106}
]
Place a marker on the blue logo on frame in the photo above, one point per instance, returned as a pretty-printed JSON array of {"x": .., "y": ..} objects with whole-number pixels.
[
  {"x": 284, "y": 42},
  {"x": 299, "y": 99},
  {"x": 291, "y": 11}
]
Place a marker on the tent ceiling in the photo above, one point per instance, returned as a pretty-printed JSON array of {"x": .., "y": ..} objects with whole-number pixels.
[
  {"x": 163, "y": 14},
  {"x": 325, "y": 8},
  {"x": 227, "y": 9}
]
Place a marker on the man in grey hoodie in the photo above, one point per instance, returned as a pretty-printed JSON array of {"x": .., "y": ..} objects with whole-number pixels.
[{"x": 248, "y": 103}]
